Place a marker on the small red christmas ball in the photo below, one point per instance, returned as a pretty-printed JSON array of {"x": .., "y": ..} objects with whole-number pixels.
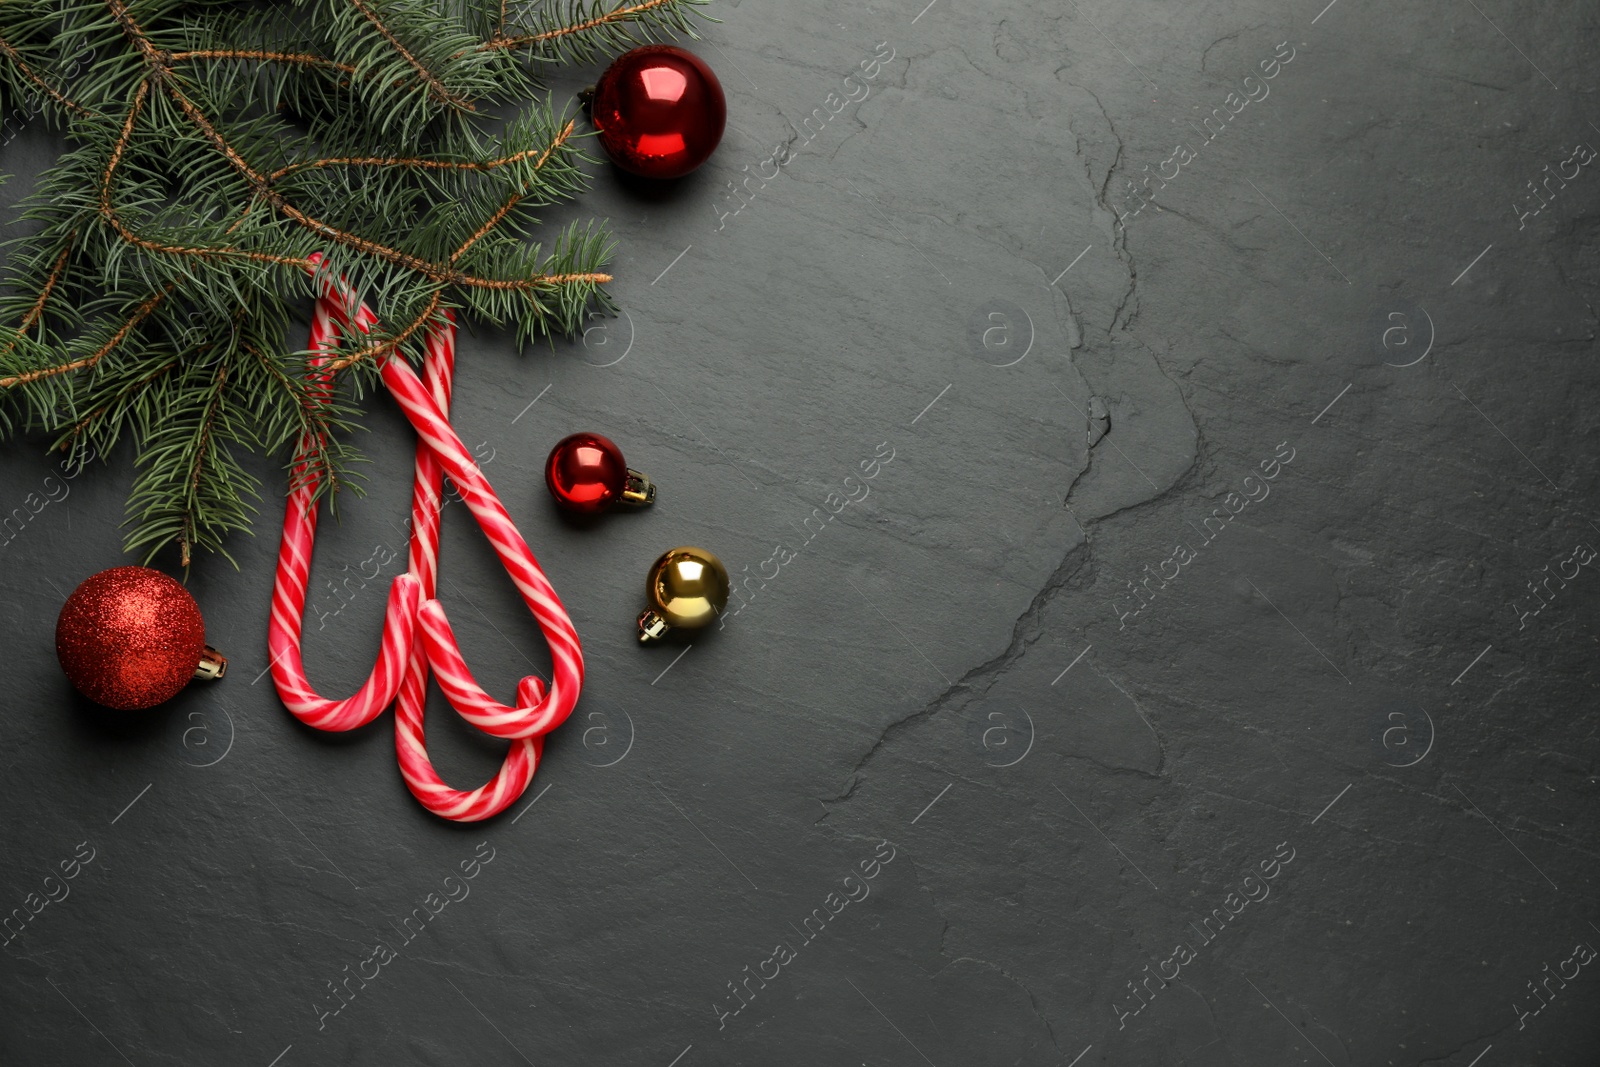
[
  {"x": 586, "y": 473},
  {"x": 130, "y": 638},
  {"x": 660, "y": 111}
]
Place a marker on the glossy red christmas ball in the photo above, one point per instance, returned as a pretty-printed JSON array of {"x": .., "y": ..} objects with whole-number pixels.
[
  {"x": 660, "y": 111},
  {"x": 131, "y": 637},
  {"x": 586, "y": 474}
]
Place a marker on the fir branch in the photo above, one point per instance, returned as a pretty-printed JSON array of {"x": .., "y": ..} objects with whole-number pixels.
[
  {"x": 149, "y": 245},
  {"x": 197, "y": 464},
  {"x": 110, "y": 215},
  {"x": 435, "y": 86},
  {"x": 391, "y": 344},
  {"x": 49, "y": 287},
  {"x": 515, "y": 199},
  {"x": 140, "y": 313},
  {"x": 443, "y": 274},
  {"x": 588, "y": 28},
  {"x": 190, "y": 487},
  {"x": 301, "y": 59},
  {"x": 119, "y": 397},
  {"x": 45, "y": 87},
  {"x": 221, "y": 161},
  {"x": 618, "y": 15},
  {"x": 266, "y": 192},
  {"x": 539, "y": 155}
]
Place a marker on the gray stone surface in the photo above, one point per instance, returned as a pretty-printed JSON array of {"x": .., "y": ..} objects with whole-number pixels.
[{"x": 953, "y": 665}]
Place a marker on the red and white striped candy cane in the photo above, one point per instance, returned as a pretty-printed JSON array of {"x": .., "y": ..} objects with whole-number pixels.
[
  {"x": 455, "y": 678},
  {"x": 410, "y": 740},
  {"x": 289, "y": 598},
  {"x": 439, "y": 450}
]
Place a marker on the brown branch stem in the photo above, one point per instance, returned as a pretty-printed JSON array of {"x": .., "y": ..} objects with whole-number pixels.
[
  {"x": 120, "y": 145},
  {"x": 49, "y": 90},
  {"x": 392, "y": 344},
  {"x": 515, "y": 198},
  {"x": 302, "y": 59},
  {"x": 139, "y": 314},
  {"x": 435, "y": 86},
  {"x": 131, "y": 29},
  {"x": 428, "y": 164},
  {"x": 50, "y": 283},
  {"x": 110, "y": 215},
  {"x": 443, "y": 275},
  {"x": 621, "y": 14}
]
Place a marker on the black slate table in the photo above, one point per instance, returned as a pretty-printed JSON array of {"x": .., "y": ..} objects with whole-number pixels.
[{"x": 1155, "y": 447}]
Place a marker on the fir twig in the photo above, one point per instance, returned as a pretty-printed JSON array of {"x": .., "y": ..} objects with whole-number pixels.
[
  {"x": 537, "y": 154},
  {"x": 45, "y": 87},
  {"x": 140, "y": 313},
  {"x": 259, "y": 56},
  {"x": 577, "y": 24},
  {"x": 435, "y": 86},
  {"x": 43, "y": 298}
]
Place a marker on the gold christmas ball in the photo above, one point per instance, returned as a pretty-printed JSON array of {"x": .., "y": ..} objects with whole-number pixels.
[{"x": 687, "y": 588}]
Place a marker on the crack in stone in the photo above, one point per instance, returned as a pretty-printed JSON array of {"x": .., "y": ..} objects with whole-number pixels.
[
  {"x": 1110, "y": 768},
  {"x": 1033, "y": 1001},
  {"x": 1097, "y": 427},
  {"x": 1234, "y": 36},
  {"x": 944, "y": 934},
  {"x": 1024, "y": 632},
  {"x": 1027, "y": 628},
  {"x": 1210, "y": 1014},
  {"x": 1161, "y": 746}
]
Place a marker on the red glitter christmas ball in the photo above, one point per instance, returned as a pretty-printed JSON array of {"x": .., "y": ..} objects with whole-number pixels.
[
  {"x": 130, "y": 638},
  {"x": 660, "y": 111},
  {"x": 586, "y": 473}
]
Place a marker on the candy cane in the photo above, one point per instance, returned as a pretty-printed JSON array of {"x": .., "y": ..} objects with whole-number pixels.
[
  {"x": 410, "y": 741},
  {"x": 289, "y": 597},
  {"x": 455, "y": 679},
  {"x": 412, "y": 596}
]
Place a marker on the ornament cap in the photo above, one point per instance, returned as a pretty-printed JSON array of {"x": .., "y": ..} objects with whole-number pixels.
[
  {"x": 212, "y": 665},
  {"x": 638, "y": 490},
  {"x": 652, "y": 627}
]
